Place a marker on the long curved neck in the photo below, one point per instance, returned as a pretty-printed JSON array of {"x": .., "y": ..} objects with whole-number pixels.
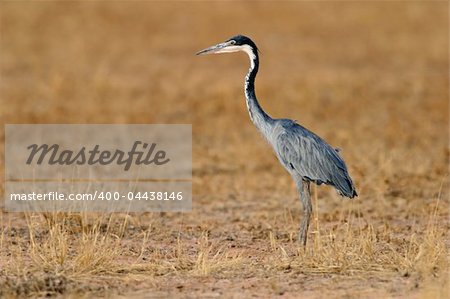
[{"x": 258, "y": 116}]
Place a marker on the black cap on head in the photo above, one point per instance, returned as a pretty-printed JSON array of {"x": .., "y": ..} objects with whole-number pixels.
[{"x": 241, "y": 40}]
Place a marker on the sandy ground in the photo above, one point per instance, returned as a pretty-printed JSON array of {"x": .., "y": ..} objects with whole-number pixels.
[{"x": 369, "y": 77}]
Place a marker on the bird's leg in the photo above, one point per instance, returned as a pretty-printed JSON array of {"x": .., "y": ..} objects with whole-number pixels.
[{"x": 305, "y": 198}]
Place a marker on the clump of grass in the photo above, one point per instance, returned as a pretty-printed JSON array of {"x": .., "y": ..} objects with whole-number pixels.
[
  {"x": 59, "y": 250},
  {"x": 54, "y": 250},
  {"x": 66, "y": 244},
  {"x": 426, "y": 254},
  {"x": 352, "y": 250},
  {"x": 212, "y": 259}
]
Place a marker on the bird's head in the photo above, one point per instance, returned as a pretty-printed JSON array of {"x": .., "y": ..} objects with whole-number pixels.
[{"x": 234, "y": 44}]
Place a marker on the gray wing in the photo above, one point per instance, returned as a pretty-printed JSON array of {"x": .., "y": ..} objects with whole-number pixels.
[{"x": 307, "y": 155}]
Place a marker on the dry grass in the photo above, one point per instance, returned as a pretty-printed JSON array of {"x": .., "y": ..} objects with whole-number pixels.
[{"x": 370, "y": 77}]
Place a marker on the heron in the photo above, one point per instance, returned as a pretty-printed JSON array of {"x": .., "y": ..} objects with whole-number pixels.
[{"x": 306, "y": 156}]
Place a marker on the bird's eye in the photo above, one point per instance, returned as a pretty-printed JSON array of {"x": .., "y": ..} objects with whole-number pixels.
[{"x": 233, "y": 42}]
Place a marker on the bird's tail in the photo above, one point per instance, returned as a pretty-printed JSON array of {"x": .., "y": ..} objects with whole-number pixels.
[{"x": 348, "y": 189}]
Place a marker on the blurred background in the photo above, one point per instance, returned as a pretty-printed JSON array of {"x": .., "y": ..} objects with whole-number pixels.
[{"x": 369, "y": 77}]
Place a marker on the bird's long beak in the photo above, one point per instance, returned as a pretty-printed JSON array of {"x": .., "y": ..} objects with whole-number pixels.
[{"x": 219, "y": 48}]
